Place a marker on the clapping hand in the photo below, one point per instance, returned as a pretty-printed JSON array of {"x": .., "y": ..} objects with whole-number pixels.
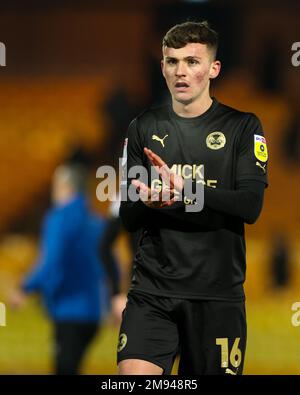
[{"x": 172, "y": 184}]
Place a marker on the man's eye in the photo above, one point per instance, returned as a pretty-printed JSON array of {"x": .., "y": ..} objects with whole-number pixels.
[
  {"x": 193, "y": 61},
  {"x": 171, "y": 61}
]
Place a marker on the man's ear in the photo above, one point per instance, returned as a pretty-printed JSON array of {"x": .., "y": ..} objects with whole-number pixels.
[
  {"x": 162, "y": 67},
  {"x": 215, "y": 69}
]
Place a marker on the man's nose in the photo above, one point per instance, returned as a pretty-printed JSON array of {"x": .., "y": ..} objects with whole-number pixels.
[{"x": 181, "y": 69}]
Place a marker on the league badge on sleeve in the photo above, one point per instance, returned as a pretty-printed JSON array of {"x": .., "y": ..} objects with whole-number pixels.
[{"x": 260, "y": 148}]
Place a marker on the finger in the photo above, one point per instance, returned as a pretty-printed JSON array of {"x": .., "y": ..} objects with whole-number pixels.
[
  {"x": 143, "y": 189},
  {"x": 157, "y": 169},
  {"x": 157, "y": 159},
  {"x": 150, "y": 157},
  {"x": 139, "y": 185},
  {"x": 136, "y": 183},
  {"x": 165, "y": 173},
  {"x": 155, "y": 195},
  {"x": 170, "y": 202},
  {"x": 167, "y": 194},
  {"x": 154, "y": 158}
]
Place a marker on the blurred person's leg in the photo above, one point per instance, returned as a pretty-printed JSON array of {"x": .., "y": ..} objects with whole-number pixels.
[{"x": 71, "y": 341}]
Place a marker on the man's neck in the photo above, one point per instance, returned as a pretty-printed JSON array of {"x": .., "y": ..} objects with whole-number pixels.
[{"x": 193, "y": 109}]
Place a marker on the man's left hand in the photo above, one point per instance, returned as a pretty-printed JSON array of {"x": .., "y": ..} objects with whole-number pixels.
[{"x": 171, "y": 189}]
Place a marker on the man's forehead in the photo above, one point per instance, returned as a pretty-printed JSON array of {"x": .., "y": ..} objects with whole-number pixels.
[{"x": 191, "y": 49}]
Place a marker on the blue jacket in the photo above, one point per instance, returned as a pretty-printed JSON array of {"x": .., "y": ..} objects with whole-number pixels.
[{"x": 69, "y": 274}]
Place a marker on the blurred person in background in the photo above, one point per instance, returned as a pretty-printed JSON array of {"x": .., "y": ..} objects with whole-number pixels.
[
  {"x": 280, "y": 261},
  {"x": 119, "y": 109},
  {"x": 112, "y": 231},
  {"x": 69, "y": 274},
  {"x": 290, "y": 144}
]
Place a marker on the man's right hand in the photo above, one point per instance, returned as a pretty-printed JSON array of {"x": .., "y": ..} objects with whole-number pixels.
[
  {"x": 172, "y": 184},
  {"x": 152, "y": 197}
]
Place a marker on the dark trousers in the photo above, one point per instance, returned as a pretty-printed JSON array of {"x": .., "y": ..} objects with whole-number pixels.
[{"x": 71, "y": 340}]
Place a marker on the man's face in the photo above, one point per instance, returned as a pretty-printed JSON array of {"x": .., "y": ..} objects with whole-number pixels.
[{"x": 188, "y": 70}]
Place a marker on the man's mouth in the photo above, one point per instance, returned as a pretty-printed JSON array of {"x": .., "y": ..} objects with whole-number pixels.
[{"x": 181, "y": 86}]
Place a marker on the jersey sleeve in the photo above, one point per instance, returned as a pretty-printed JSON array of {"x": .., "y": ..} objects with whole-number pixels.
[
  {"x": 132, "y": 156},
  {"x": 252, "y": 153},
  {"x": 133, "y": 147},
  {"x": 132, "y": 213}
]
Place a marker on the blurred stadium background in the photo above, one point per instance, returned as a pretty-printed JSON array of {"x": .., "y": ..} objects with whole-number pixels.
[{"x": 75, "y": 72}]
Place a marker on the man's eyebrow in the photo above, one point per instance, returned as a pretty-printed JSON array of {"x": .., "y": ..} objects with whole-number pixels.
[
  {"x": 186, "y": 58},
  {"x": 192, "y": 57}
]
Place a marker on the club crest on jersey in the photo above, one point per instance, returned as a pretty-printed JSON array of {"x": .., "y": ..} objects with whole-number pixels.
[
  {"x": 215, "y": 140},
  {"x": 260, "y": 148},
  {"x": 122, "y": 342}
]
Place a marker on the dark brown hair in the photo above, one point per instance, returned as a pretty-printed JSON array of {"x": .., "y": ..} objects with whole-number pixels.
[{"x": 191, "y": 32}]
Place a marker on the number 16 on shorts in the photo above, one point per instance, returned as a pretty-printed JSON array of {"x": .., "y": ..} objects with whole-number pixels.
[{"x": 234, "y": 356}]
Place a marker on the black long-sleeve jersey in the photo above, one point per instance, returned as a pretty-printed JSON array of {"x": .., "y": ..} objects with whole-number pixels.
[{"x": 196, "y": 255}]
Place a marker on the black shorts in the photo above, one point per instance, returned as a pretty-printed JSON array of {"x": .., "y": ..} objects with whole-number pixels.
[{"x": 209, "y": 336}]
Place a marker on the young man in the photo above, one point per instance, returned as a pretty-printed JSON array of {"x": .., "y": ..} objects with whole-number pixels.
[{"x": 187, "y": 292}]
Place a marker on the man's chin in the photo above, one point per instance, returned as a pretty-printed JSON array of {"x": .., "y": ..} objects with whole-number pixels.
[{"x": 183, "y": 100}]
